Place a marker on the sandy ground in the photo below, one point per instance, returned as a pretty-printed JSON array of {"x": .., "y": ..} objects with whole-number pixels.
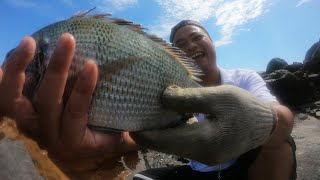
[{"x": 307, "y": 137}]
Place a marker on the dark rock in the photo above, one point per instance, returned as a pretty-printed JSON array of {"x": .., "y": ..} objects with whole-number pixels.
[
  {"x": 302, "y": 116},
  {"x": 293, "y": 85},
  {"x": 308, "y": 110},
  {"x": 275, "y": 64},
  {"x": 281, "y": 74},
  {"x": 290, "y": 89},
  {"x": 312, "y": 59},
  {"x": 297, "y": 83},
  {"x": 155, "y": 159},
  {"x": 313, "y": 76},
  {"x": 294, "y": 67},
  {"x": 317, "y": 103}
]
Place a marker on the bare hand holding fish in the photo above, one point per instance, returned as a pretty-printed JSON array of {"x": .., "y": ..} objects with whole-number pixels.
[{"x": 62, "y": 129}]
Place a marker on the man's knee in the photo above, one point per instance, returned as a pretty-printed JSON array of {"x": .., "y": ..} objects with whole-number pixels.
[{"x": 275, "y": 163}]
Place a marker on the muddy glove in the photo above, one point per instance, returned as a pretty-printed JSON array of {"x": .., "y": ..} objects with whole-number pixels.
[{"x": 236, "y": 122}]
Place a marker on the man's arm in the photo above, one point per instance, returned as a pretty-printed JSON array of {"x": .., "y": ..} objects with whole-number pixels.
[
  {"x": 283, "y": 127},
  {"x": 253, "y": 83}
]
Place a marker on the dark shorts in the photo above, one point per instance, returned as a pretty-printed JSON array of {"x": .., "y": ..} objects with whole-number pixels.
[{"x": 239, "y": 170}]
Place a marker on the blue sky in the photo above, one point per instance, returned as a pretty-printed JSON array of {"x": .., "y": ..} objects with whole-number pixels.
[{"x": 247, "y": 33}]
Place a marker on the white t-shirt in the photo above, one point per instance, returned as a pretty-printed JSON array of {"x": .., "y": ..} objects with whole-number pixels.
[{"x": 248, "y": 80}]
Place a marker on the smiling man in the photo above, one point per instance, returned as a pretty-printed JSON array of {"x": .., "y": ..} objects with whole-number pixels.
[
  {"x": 54, "y": 124},
  {"x": 274, "y": 159}
]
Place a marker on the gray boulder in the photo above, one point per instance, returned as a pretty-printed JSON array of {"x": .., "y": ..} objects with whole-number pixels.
[
  {"x": 294, "y": 67},
  {"x": 275, "y": 64},
  {"x": 293, "y": 89},
  {"x": 312, "y": 59}
]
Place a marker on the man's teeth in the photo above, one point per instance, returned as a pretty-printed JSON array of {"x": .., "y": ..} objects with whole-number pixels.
[{"x": 196, "y": 54}]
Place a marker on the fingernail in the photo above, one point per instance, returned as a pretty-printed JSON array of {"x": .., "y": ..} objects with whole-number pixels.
[
  {"x": 23, "y": 43},
  {"x": 66, "y": 37},
  {"x": 65, "y": 43},
  {"x": 25, "y": 46}
]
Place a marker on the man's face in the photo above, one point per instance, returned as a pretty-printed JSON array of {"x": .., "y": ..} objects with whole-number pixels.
[{"x": 196, "y": 43}]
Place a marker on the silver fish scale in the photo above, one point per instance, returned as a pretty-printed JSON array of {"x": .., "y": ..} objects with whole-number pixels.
[{"x": 133, "y": 73}]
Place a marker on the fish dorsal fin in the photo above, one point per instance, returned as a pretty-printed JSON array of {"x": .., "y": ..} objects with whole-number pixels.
[
  {"x": 178, "y": 55},
  {"x": 107, "y": 17},
  {"x": 193, "y": 70},
  {"x": 85, "y": 14}
]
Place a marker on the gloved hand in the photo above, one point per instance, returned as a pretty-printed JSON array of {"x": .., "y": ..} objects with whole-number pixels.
[{"x": 236, "y": 122}]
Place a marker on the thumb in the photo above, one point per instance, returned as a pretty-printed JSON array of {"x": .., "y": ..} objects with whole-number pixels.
[
  {"x": 186, "y": 140},
  {"x": 190, "y": 100}
]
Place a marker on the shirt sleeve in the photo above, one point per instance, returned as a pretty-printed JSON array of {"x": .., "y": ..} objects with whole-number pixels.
[{"x": 253, "y": 83}]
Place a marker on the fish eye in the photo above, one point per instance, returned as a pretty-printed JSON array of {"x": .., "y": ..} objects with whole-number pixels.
[
  {"x": 180, "y": 44},
  {"x": 43, "y": 50}
]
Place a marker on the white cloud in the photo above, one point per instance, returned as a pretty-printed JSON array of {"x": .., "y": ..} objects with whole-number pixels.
[
  {"x": 302, "y": 2},
  {"x": 176, "y": 10},
  {"x": 22, "y": 3},
  {"x": 69, "y": 3},
  {"x": 183, "y": 9},
  {"x": 117, "y": 4},
  {"x": 230, "y": 15}
]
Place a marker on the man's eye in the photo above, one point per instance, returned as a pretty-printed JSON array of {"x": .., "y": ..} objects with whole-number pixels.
[
  {"x": 181, "y": 45},
  {"x": 198, "y": 37}
]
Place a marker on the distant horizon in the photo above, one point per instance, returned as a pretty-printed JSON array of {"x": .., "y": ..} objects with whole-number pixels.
[{"x": 247, "y": 33}]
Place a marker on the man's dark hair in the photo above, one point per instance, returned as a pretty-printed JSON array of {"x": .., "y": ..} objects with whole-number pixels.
[{"x": 184, "y": 23}]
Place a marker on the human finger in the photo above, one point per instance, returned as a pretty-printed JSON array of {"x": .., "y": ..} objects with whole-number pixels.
[
  {"x": 26, "y": 118},
  {"x": 48, "y": 101},
  {"x": 1, "y": 74},
  {"x": 74, "y": 130},
  {"x": 74, "y": 122},
  {"x": 13, "y": 75}
]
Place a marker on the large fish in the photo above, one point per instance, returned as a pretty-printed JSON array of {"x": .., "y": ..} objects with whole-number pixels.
[{"x": 134, "y": 69}]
